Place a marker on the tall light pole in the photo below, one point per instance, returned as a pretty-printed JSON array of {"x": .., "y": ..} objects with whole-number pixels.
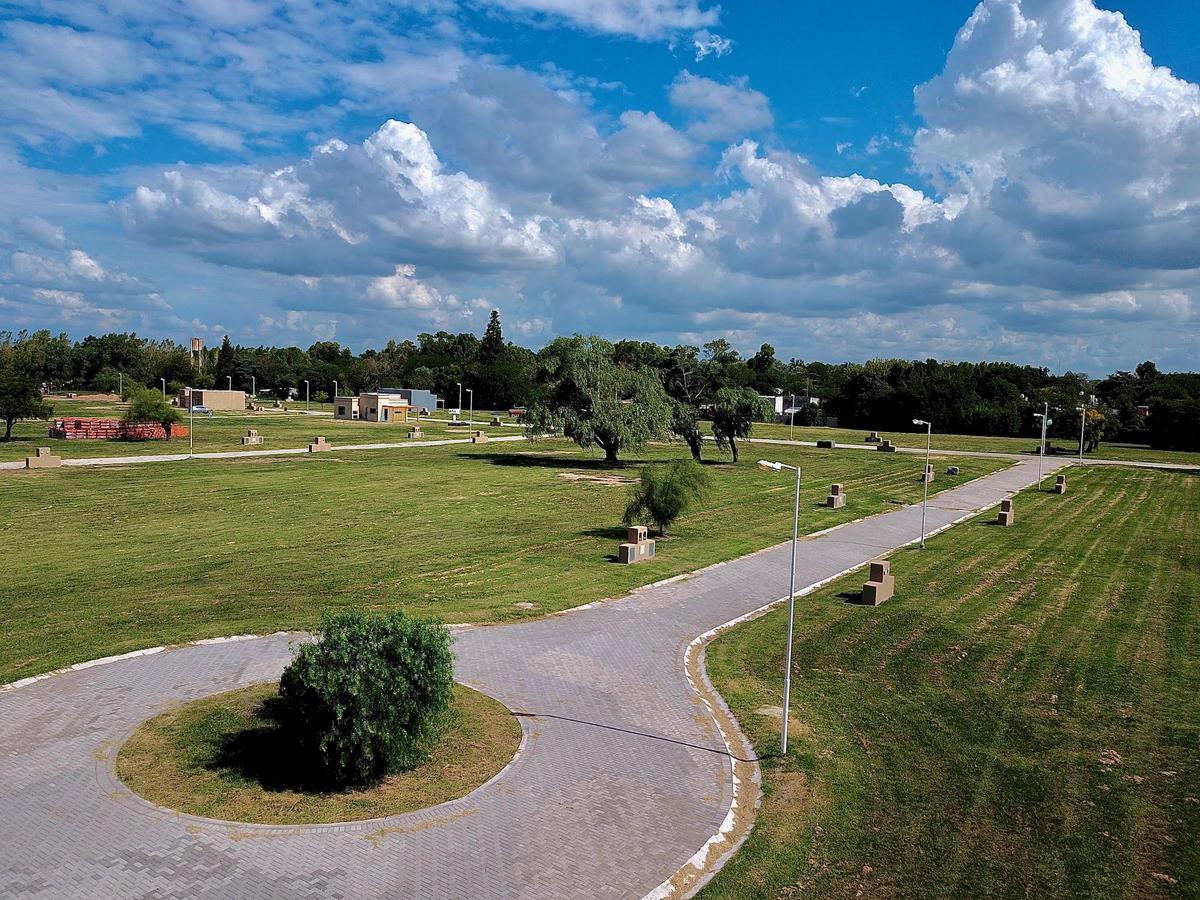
[
  {"x": 306, "y": 405},
  {"x": 1082, "y": 410},
  {"x": 335, "y": 395},
  {"x": 792, "y": 424},
  {"x": 787, "y": 665},
  {"x": 164, "y": 384},
  {"x": 191, "y": 429},
  {"x": 120, "y": 384},
  {"x": 230, "y": 377},
  {"x": 253, "y": 386},
  {"x": 459, "y": 383},
  {"x": 471, "y": 417},
  {"x": 1045, "y": 417},
  {"x": 925, "y": 474}
]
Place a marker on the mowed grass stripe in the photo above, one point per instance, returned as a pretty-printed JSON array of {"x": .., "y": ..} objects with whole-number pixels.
[{"x": 1023, "y": 719}]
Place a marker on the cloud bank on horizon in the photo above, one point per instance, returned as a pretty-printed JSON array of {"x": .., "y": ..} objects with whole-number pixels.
[{"x": 373, "y": 170}]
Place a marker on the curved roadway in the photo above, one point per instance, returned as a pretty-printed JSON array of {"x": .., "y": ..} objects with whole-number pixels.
[{"x": 622, "y": 777}]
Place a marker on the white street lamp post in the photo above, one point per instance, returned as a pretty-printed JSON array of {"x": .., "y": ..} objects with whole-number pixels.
[
  {"x": 335, "y": 396},
  {"x": 459, "y": 383},
  {"x": 253, "y": 386},
  {"x": 164, "y": 385},
  {"x": 787, "y": 665},
  {"x": 925, "y": 474},
  {"x": 230, "y": 377},
  {"x": 120, "y": 384},
  {"x": 471, "y": 415},
  {"x": 1045, "y": 417},
  {"x": 306, "y": 404},
  {"x": 792, "y": 424},
  {"x": 191, "y": 428}
]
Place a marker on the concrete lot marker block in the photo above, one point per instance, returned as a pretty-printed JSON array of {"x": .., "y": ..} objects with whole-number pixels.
[
  {"x": 836, "y": 498},
  {"x": 43, "y": 459},
  {"x": 881, "y": 585},
  {"x": 927, "y": 475},
  {"x": 952, "y": 470},
  {"x": 479, "y": 438},
  {"x": 635, "y": 534},
  {"x": 825, "y": 445},
  {"x": 627, "y": 554},
  {"x": 252, "y": 438},
  {"x": 1005, "y": 516},
  {"x": 647, "y": 549},
  {"x": 319, "y": 445},
  {"x": 872, "y": 438},
  {"x": 496, "y": 421},
  {"x": 886, "y": 447},
  {"x": 416, "y": 433},
  {"x": 1060, "y": 484}
]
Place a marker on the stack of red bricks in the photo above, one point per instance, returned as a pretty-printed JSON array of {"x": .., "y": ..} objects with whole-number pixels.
[{"x": 111, "y": 430}]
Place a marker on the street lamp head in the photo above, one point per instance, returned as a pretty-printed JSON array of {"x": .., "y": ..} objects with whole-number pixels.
[
  {"x": 920, "y": 422},
  {"x": 770, "y": 466}
]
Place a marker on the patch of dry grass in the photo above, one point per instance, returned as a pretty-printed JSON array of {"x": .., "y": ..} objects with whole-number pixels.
[{"x": 222, "y": 757}]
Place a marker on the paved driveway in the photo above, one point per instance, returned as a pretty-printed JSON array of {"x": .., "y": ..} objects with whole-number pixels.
[{"x": 622, "y": 778}]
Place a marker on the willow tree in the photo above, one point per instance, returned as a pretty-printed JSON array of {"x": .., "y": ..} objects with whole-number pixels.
[
  {"x": 734, "y": 412},
  {"x": 587, "y": 397}
]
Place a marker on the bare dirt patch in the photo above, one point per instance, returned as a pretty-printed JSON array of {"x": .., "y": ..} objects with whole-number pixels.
[{"x": 608, "y": 480}]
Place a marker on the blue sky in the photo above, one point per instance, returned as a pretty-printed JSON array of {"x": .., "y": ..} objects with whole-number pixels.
[{"x": 1017, "y": 179}]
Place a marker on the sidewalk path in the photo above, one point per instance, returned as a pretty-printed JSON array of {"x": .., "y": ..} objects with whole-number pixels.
[{"x": 622, "y": 778}]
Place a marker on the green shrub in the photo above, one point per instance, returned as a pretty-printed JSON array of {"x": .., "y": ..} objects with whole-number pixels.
[
  {"x": 146, "y": 405},
  {"x": 664, "y": 493},
  {"x": 364, "y": 700}
]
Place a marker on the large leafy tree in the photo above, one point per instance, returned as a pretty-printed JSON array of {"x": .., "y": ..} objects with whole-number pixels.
[
  {"x": 146, "y": 405},
  {"x": 595, "y": 402},
  {"x": 734, "y": 412},
  {"x": 20, "y": 389}
]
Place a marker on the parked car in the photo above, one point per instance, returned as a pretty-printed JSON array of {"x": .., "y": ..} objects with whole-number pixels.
[{"x": 201, "y": 411}]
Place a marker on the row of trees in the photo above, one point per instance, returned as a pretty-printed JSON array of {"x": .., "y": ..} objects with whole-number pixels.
[{"x": 589, "y": 373}]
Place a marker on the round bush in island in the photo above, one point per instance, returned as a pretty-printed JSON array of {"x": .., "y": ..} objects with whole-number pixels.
[
  {"x": 364, "y": 699},
  {"x": 228, "y": 757}
]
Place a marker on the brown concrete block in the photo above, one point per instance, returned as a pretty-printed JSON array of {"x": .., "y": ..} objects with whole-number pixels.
[
  {"x": 645, "y": 549},
  {"x": 880, "y": 569},
  {"x": 1006, "y": 505},
  {"x": 825, "y": 445},
  {"x": 835, "y": 489},
  {"x": 886, "y": 447},
  {"x": 43, "y": 459},
  {"x": 926, "y": 477},
  {"x": 319, "y": 445},
  {"x": 835, "y": 501},
  {"x": 496, "y": 421},
  {"x": 416, "y": 433},
  {"x": 1060, "y": 484},
  {"x": 1004, "y": 518},
  {"x": 636, "y": 533},
  {"x": 627, "y": 554},
  {"x": 876, "y": 592},
  {"x": 872, "y": 438},
  {"x": 479, "y": 438}
]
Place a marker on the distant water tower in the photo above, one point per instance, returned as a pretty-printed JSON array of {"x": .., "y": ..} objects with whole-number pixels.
[{"x": 198, "y": 354}]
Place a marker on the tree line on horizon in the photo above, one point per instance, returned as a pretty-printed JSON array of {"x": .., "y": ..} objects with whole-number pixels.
[{"x": 986, "y": 398}]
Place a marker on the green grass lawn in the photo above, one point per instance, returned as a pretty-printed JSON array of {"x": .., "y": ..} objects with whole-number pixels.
[
  {"x": 106, "y": 560},
  {"x": 974, "y": 442},
  {"x": 222, "y": 432},
  {"x": 1021, "y": 720}
]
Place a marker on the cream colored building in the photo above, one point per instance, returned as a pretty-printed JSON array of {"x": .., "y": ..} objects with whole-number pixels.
[
  {"x": 211, "y": 399},
  {"x": 374, "y": 407}
]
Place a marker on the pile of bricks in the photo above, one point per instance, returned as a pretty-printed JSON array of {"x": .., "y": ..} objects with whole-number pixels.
[
  {"x": 638, "y": 546},
  {"x": 881, "y": 585},
  {"x": 111, "y": 430},
  {"x": 836, "y": 498}
]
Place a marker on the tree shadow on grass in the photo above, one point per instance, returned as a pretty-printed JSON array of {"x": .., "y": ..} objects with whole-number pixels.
[
  {"x": 537, "y": 461},
  {"x": 265, "y": 755}
]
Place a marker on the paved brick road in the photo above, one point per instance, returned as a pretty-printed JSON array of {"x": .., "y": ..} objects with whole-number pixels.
[{"x": 623, "y": 776}]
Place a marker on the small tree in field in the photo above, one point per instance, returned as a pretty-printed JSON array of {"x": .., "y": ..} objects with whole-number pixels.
[
  {"x": 146, "y": 405},
  {"x": 362, "y": 702},
  {"x": 685, "y": 425},
  {"x": 735, "y": 410},
  {"x": 665, "y": 493}
]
